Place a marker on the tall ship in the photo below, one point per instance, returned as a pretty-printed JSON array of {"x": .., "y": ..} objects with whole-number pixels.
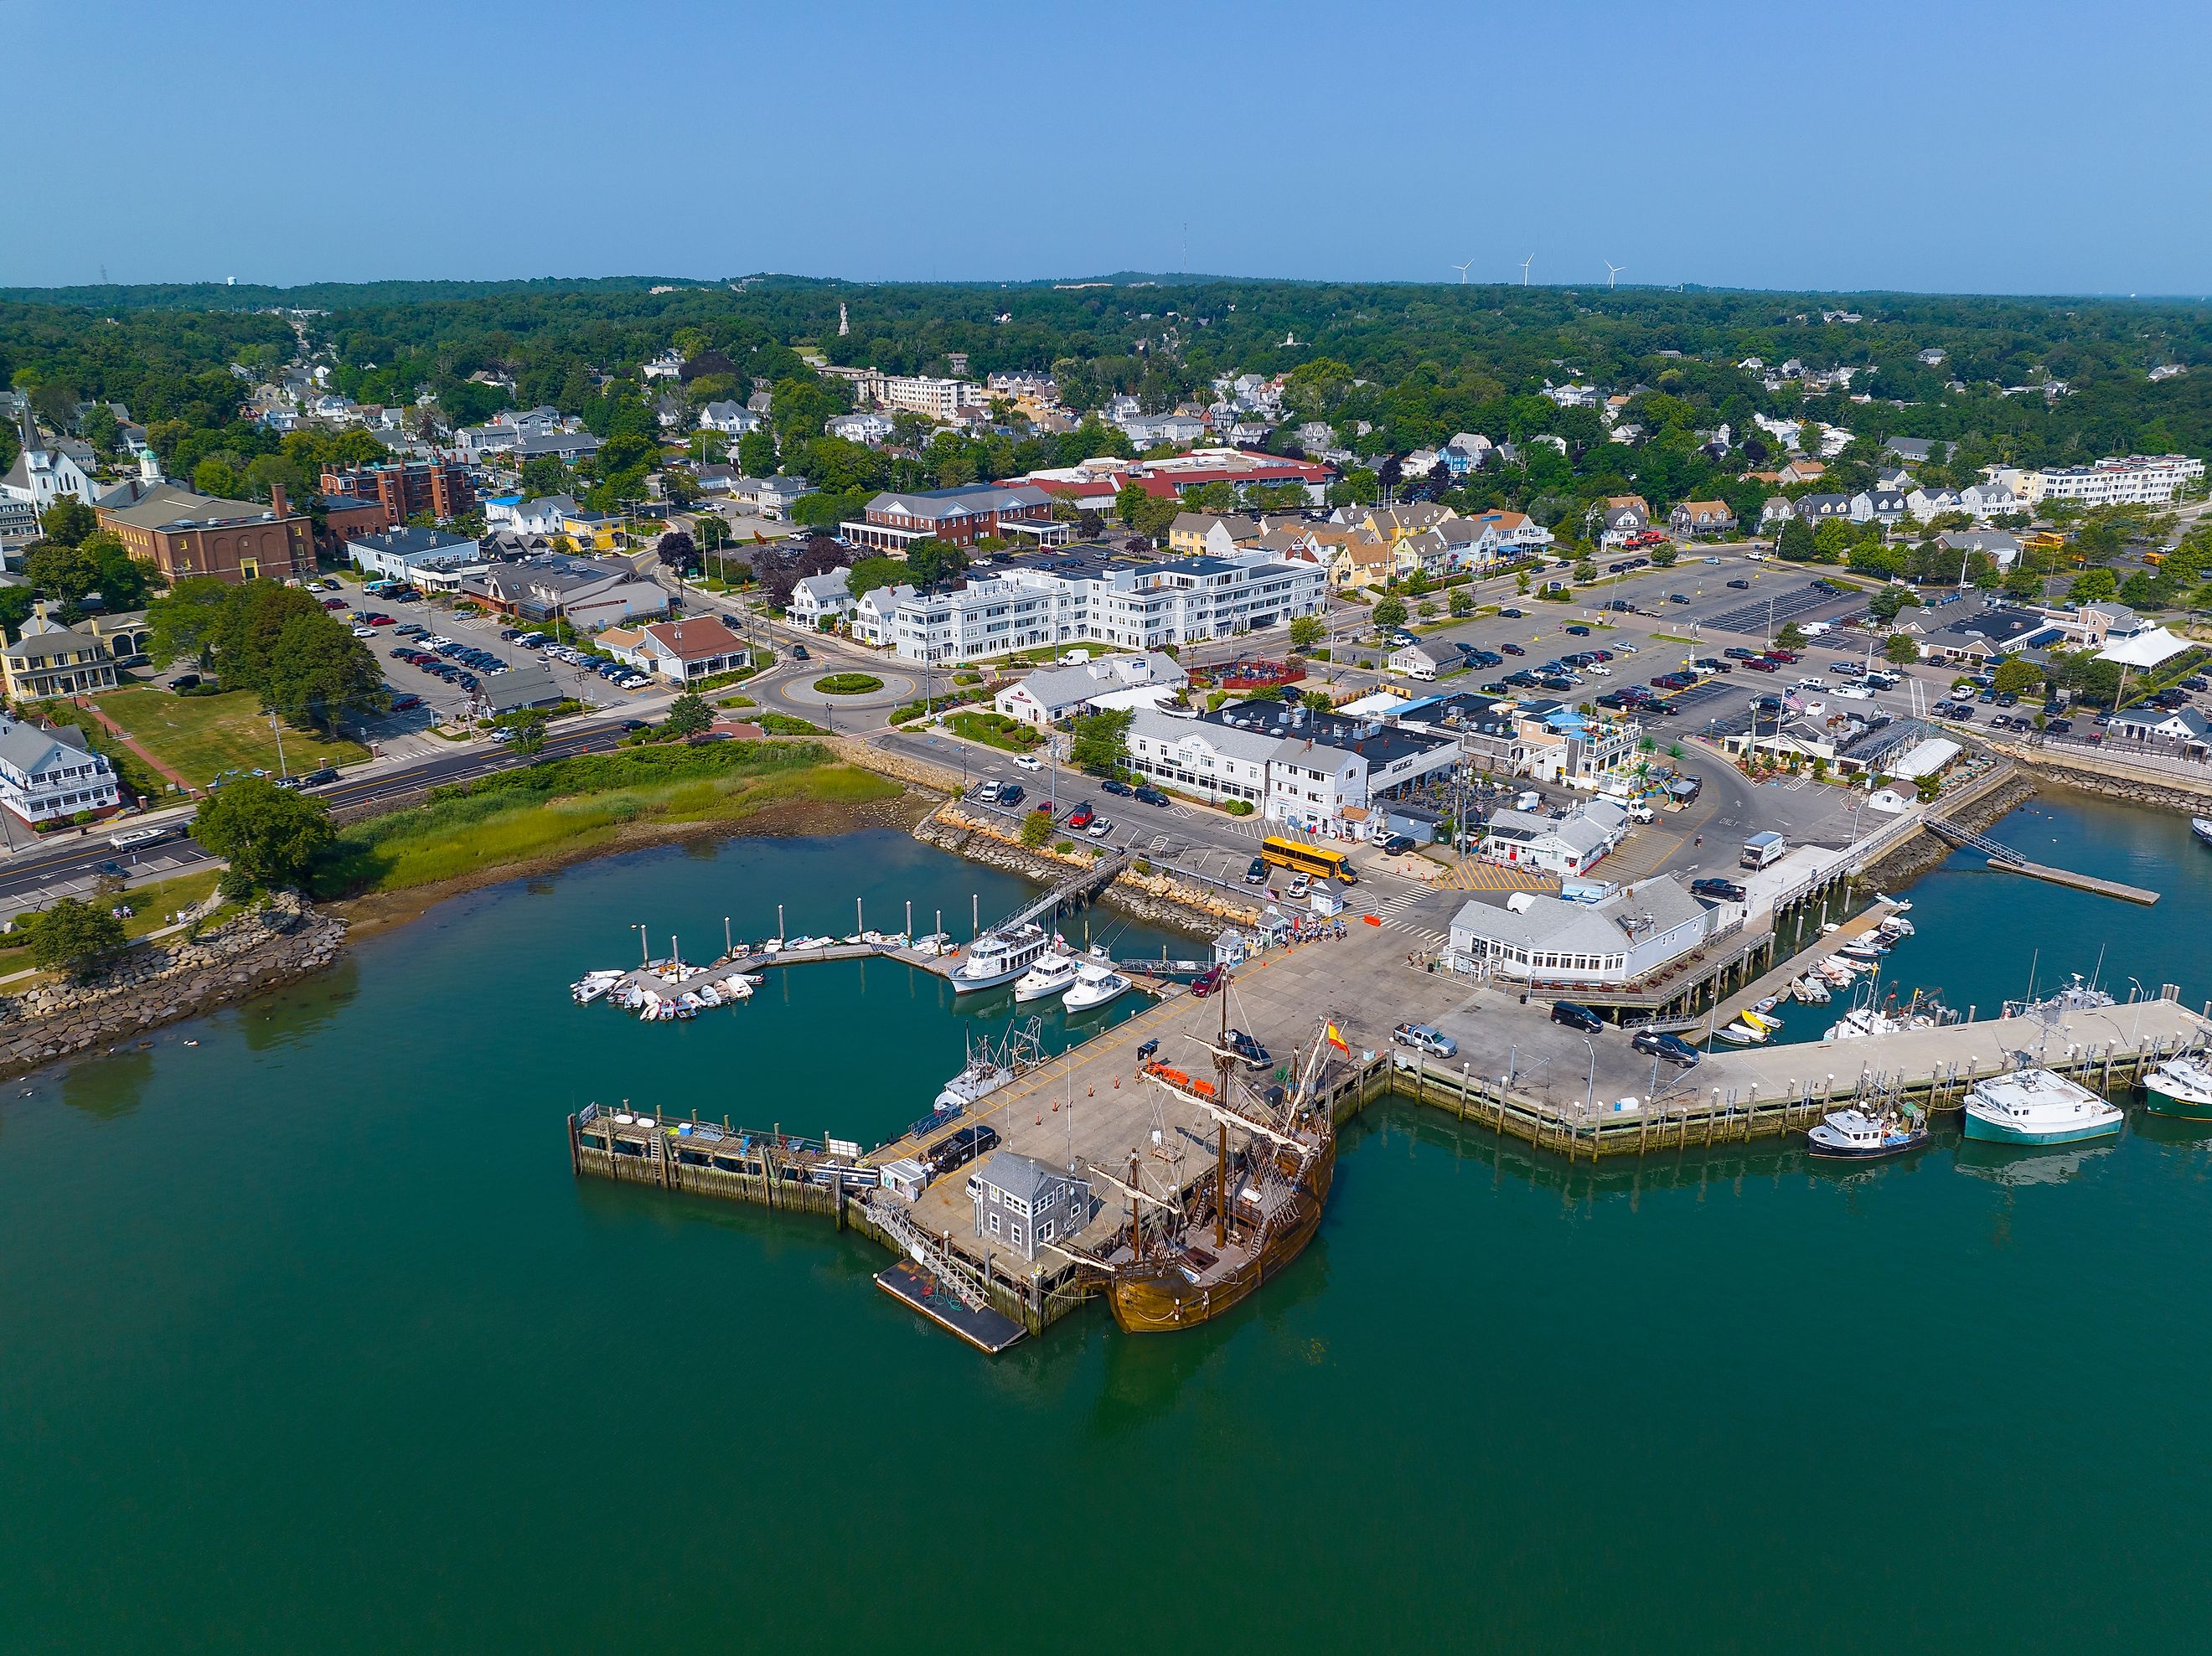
[
  {"x": 1186, "y": 1257},
  {"x": 2035, "y": 1106}
]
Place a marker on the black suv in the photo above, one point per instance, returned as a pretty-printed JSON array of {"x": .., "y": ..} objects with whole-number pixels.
[
  {"x": 1110, "y": 785},
  {"x": 1151, "y": 796},
  {"x": 1665, "y": 1044},
  {"x": 1577, "y": 1017},
  {"x": 1257, "y": 874},
  {"x": 958, "y": 1150}
]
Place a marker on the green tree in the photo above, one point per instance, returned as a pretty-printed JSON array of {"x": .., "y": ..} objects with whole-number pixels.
[
  {"x": 1101, "y": 741},
  {"x": 929, "y": 561},
  {"x": 869, "y": 573},
  {"x": 1036, "y": 829},
  {"x": 1795, "y": 542},
  {"x": 1305, "y": 632},
  {"x": 1391, "y": 612},
  {"x": 1462, "y": 601},
  {"x": 1585, "y": 570},
  {"x": 543, "y": 474},
  {"x": 1664, "y": 557},
  {"x": 270, "y": 836},
  {"x": 183, "y": 623},
  {"x": 1889, "y": 602},
  {"x": 68, "y": 521},
  {"x": 756, "y": 453},
  {"x": 2094, "y": 585},
  {"x": 213, "y": 475},
  {"x": 688, "y": 715},
  {"x": 1316, "y": 701},
  {"x": 2016, "y": 677},
  {"x": 1791, "y": 637},
  {"x": 80, "y": 938},
  {"x": 1900, "y": 649},
  {"x": 529, "y": 734},
  {"x": 1359, "y": 486}
]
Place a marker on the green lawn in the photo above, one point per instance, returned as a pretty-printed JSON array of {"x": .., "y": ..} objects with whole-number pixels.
[
  {"x": 995, "y": 729},
  {"x": 201, "y": 736}
]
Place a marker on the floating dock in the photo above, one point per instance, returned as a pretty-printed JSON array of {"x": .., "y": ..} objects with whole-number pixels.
[{"x": 2005, "y": 859}]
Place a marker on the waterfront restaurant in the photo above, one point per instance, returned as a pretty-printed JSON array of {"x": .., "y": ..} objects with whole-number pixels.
[{"x": 1549, "y": 942}]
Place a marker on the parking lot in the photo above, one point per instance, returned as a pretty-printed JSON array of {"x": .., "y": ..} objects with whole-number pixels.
[{"x": 476, "y": 647}]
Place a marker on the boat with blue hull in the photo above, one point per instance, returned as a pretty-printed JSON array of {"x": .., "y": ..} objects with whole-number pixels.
[{"x": 2035, "y": 1106}]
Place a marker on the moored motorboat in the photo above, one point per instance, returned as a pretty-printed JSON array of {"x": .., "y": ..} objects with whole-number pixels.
[
  {"x": 998, "y": 957},
  {"x": 1052, "y": 974},
  {"x": 2202, "y": 828},
  {"x": 1742, "y": 1034},
  {"x": 1811, "y": 991},
  {"x": 1761, "y": 1020},
  {"x": 1097, "y": 983},
  {"x": 2182, "y": 1086},
  {"x": 1857, "y": 1135},
  {"x": 2035, "y": 1106}
]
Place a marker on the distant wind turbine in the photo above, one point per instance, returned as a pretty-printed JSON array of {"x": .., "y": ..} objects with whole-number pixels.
[
  {"x": 1525, "y": 264},
  {"x": 1461, "y": 269},
  {"x": 1612, "y": 271}
]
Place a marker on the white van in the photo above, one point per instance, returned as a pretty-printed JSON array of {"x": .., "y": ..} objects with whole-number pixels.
[{"x": 1530, "y": 801}]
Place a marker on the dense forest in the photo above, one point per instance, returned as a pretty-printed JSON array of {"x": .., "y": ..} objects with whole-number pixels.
[{"x": 1388, "y": 368}]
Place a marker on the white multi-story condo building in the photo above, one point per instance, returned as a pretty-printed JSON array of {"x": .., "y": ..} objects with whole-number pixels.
[
  {"x": 1083, "y": 596},
  {"x": 940, "y": 399},
  {"x": 2139, "y": 480}
]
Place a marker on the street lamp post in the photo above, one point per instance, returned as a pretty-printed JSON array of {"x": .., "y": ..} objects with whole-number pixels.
[{"x": 1590, "y": 1092}]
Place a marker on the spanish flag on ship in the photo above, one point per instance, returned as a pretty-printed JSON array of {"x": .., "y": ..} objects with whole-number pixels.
[{"x": 1335, "y": 1038}]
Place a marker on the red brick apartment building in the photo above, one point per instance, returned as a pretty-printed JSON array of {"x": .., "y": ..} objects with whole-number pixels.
[{"x": 407, "y": 488}]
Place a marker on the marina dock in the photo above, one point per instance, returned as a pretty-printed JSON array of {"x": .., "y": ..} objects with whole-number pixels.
[{"x": 2006, "y": 860}]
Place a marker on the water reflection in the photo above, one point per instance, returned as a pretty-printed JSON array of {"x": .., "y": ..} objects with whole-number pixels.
[
  {"x": 297, "y": 1013},
  {"x": 110, "y": 1086}
]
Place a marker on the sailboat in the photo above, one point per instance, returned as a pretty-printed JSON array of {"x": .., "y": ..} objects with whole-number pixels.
[{"x": 1185, "y": 1259}]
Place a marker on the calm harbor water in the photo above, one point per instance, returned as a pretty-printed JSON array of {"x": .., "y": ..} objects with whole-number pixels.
[
  {"x": 1980, "y": 937},
  {"x": 309, "y": 1342}
]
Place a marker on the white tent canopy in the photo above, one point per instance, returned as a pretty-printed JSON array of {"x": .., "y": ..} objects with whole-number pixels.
[
  {"x": 1925, "y": 759},
  {"x": 2145, "y": 649}
]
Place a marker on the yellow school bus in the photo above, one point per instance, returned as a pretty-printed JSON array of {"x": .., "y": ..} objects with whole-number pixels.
[{"x": 1307, "y": 859}]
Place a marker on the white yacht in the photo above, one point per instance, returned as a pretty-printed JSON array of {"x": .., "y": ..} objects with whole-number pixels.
[
  {"x": 1096, "y": 982},
  {"x": 2034, "y": 1107},
  {"x": 593, "y": 984},
  {"x": 998, "y": 957},
  {"x": 1052, "y": 974},
  {"x": 1862, "y": 1021}
]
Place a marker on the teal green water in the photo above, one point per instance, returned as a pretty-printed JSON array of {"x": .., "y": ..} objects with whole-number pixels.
[
  {"x": 1981, "y": 938},
  {"x": 309, "y": 1342}
]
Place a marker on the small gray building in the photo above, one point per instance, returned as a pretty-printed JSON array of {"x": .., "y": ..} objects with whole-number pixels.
[
  {"x": 530, "y": 685},
  {"x": 1022, "y": 1203}
]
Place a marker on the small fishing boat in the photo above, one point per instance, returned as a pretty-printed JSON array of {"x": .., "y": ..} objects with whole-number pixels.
[
  {"x": 1053, "y": 974},
  {"x": 1811, "y": 990},
  {"x": 1766, "y": 1005},
  {"x": 990, "y": 1067},
  {"x": 1097, "y": 983},
  {"x": 2034, "y": 1107},
  {"x": 1897, "y": 905},
  {"x": 1896, "y": 926},
  {"x": 2181, "y": 1086},
  {"x": 1864, "y": 948},
  {"x": 1742, "y": 1034},
  {"x": 1857, "y": 1136},
  {"x": 1764, "y": 1022}
]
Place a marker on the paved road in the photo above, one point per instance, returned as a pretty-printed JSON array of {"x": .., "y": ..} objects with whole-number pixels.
[{"x": 70, "y": 867}]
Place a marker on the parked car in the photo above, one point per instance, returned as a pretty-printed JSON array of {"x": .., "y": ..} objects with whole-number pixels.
[
  {"x": 1579, "y": 631},
  {"x": 1741, "y": 585},
  {"x": 1122, "y": 789},
  {"x": 958, "y": 1149},
  {"x": 1257, "y": 874},
  {"x": 1578, "y": 1017},
  {"x": 1510, "y": 613},
  {"x": 1513, "y": 649},
  {"x": 799, "y": 653},
  {"x": 1425, "y": 1038},
  {"x": 1678, "y": 598},
  {"x": 1720, "y": 890},
  {"x": 1209, "y": 980},
  {"x": 1011, "y": 794},
  {"x": 1028, "y": 761},
  {"x": 1099, "y": 828},
  {"x": 406, "y": 702},
  {"x": 1151, "y": 796},
  {"x": 1665, "y": 1044},
  {"x": 1397, "y": 845},
  {"x": 1082, "y": 816},
  {"x": 1254, "y": 1055}
]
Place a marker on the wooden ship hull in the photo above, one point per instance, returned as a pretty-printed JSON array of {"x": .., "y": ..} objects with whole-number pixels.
[{"x": 1193, "y": 1284}]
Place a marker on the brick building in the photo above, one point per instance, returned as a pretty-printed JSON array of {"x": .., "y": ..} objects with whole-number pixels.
[
  {"x": 407, "y": 488},
  {"x": 184, "y": 534}
]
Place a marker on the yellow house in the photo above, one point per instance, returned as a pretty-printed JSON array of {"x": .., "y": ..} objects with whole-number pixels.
[
  {"x": 1370, "y": 560},
  {"x": 593, "y": 531}
]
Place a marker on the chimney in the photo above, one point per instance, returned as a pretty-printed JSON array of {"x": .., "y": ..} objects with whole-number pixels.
[{"x": 277, "y": 503}]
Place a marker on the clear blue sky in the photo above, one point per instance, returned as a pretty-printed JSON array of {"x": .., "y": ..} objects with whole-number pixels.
[{"x": 2026, "y": 147}]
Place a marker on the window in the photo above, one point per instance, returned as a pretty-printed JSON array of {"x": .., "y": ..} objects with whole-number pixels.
[
  {"x": 1014, "y": 1235},
  {"x": 994, "y": 1224}
]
